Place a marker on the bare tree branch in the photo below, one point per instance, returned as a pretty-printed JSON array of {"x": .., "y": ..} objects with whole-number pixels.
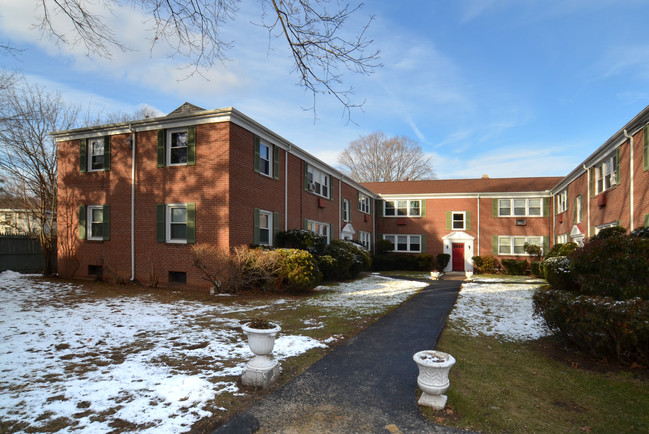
[{"x": 378, "y": 158}]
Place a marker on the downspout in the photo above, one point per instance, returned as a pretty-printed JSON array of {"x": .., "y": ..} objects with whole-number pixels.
[
  {"x": 477, "y": 252},
  {"x": 630, "y": 179},
  {"x": 587, "y": 198},
  {"x": 288, "y": 151},
  {"x": 130, "y": 127}
]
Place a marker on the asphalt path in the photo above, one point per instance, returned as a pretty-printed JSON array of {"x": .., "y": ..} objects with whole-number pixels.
[{"x": 367, "y": 384}]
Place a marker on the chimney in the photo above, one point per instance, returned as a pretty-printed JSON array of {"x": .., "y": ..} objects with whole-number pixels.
[{"x": 485, "y": 176}]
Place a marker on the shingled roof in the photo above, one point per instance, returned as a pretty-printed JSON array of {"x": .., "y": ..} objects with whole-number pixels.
[{"x": 479, "y": 185}]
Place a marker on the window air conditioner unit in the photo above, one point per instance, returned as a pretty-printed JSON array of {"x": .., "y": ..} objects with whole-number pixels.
[
  {"x": 310, "y": 187},
  {"x": 521, "y": 222}
]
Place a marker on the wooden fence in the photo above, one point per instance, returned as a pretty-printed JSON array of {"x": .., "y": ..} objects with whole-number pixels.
[{"x": 21, "y": 253}]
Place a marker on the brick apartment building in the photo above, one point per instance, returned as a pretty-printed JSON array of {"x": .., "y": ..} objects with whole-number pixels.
[{"x": 133, "y": 197}]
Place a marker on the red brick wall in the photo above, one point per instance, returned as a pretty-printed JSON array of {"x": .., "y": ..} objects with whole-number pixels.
[{"x": 640, "y": 182}]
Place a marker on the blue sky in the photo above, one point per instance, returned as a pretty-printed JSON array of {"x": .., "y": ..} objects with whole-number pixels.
[{"x": 498, "y": 87}]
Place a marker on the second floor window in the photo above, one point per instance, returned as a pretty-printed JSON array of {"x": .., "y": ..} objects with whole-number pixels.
[
  {"x": 265, "y": 157},
  {"x": 520, "y": 207},
  {"x": 364, "y": 203},
  {"x": 458, "y": 220},
  {"x": 562, "y": 201},
  {"x": 606, "y": 172},
  {"x": 402, "y": 208},
  {"x": 96, "y": 153},
  {"x": 318, "y": 182},
  {"x": 177, "y": 146},
  {"x": 346, "y": 210}
]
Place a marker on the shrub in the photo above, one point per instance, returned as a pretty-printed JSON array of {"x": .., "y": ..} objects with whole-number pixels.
[
  {"x": 303, "y": 240},
  {"x": 533, "y": 250},
  {"x": 515, "y": 266},
  {"x": 614, "y": 232},
  {"x": 298, "y": 271},
  {"x": 425, "y": 262},
  {"x": 535, "y": 269},
  {"x": 384, "y": 246},
  {"x": 613, "y": 266},
  {"x": 557, "y": 271},
  {"x": 561, "y": 250},
  {"x": 601, "y": 326},
  {"x": 641, "y": 232},
  {"x": 327, "y": 266},
  {"x": 485, "y": 264},
  {"x": 441, "y": 261},
  {"x": 396, "y": 261}
]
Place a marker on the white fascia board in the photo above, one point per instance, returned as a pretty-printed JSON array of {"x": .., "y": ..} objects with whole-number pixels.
[{"x": 490, "y": 195}]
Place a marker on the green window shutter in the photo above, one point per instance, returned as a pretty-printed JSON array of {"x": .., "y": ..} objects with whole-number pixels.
[
  {"x": 106, "y": 217},
  {"x": 162, "y": 135},
  {"x": 645, "y": 148},
  {"x": 256, "y": 154},
  {"x": 107, "y": 153},
  {"x": 275, "y": 225},
  {"x": 546, "y": 244},
  {"x": 255, "y": 227},
  {"x": 468, "y": 221},
  {"x": 276, "y": 162},
  {"x": 191, "y": 145},
  {"x": 82, "y": 222},
  {"x": 449, "y": 218},
  {"x": 494, "y": 207},
  {"x": 618, "y": 174},
  {"x": 306, "y": 224},
  {"x": 423, "y": 243},
  {"x": 574, "y": 210},
  {"x": 646, "y": 220},
  {"x": 546, "y": 206},
  {"x": 83, "y": 156},
  {"x": 331, "y": 187},
  {"x": 161, "y": 235},
  {"x": 494, "y": 244},
  {"x": 423, "y": 207},
  {"x": 592, "y": 182},
  {"x": 191, "y": 223},
  {"x": 306, "y": 176}
]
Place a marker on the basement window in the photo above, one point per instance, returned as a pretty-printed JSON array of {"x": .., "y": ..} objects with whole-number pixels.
[{"x": 177, "y": 277}]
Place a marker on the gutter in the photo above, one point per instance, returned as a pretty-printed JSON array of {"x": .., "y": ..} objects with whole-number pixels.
[
  {"x": 130, "y": 127},
  {"x": 630, "y": 179}
]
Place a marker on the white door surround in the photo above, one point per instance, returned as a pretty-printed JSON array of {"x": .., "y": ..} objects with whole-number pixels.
[{"x": 459, "y": 237}]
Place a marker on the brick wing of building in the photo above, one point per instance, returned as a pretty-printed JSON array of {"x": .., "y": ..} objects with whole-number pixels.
[{"x": 134, "y": 197}]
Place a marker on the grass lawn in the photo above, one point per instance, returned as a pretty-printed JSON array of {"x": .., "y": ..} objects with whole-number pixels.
[{"x": 504, "y": 383}]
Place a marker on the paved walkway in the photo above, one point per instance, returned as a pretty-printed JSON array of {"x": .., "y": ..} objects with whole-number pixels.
[{"x": 366, "y": 384}]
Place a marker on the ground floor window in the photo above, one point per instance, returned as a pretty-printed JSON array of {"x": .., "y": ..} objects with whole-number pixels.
[
  {"x": 562, "y": 239},
  {"x": 365, "y": 239},
  {"x": 604, "y": 226},
  {"x": 405, "y": 243},
  {"x": 511, "y": 245},
  {"x": 319, "y": 228}
]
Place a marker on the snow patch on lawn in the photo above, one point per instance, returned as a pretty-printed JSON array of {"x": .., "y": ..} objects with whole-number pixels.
[{"x": 496, "y": 307}]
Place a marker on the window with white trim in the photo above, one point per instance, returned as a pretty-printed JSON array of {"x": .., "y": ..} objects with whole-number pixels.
[
  {"x": 319, "y": 228},
  {"x": 346, "y": 210},
  {"x": 176, "y": 223},
  {"x": 605, "y": 173},
  {"x": 365, "y": 239},
  {"x": 318, "y": 181},
  {"x": 512, "y": 245},
  {"x": 562, "y": 239},
  {"x": 404, "y": 243},
  {"x": 562, "y": 201},
  {"x": 402, "y": 208},
  {"x": 177, "y": 146},
  {"x": 265, "y": 228},
  {"x": 458, "y": 220},
  {"x": 578, "y": 208},
  {"x": 96, "y": 154},
  {"x": 95, "y": 222},
  {"x": 364, "y": 203},
  {"x": 265, "y": 159},
  {"x": 520, "y": 207}
]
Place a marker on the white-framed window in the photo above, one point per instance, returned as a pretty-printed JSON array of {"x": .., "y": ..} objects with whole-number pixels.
[
  {"x": 177, "y": 146},
  {"x": 458, "y": 220},
  {"x": 265, "y": 159},
  {"x": 402, "y": 208},
  {"x": 562, "y": 239},
  {"x": 365, "y": 238},
  {"x": 578, "y": 208},
  {"x": 95, "y": 222},
  {"x": 562, "y": 201},
  {"x": 513, "y": 245},
  {"x": 346, "y": 210},
  {"x": 604, "y": 226},
  {"x": 177, "y": 223},
  {"x": 404, "y": 243},
  {"x": 318, "y": 182},
  {"x": 265, "y": 228},
  {"x": 520, "y": 207},
  {"x": 319, "y": 228},
  {"x": 364, "y": 203},
  {"x": 96, "y": 154},
  {"x": 606, "y": 173}
]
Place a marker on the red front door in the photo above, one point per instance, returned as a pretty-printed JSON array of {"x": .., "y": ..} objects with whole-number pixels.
[{"x": 458, "y": 256}]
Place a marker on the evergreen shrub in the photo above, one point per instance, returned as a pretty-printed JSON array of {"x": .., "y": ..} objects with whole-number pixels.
[
  {"x": 485, "y": 264},
  {"x": 515, "y": 266}
]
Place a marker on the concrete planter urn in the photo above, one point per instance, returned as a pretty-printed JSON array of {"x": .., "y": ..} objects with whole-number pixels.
[
  {"x": 469, "y": 275},
  {"x": 434, "y": 367},
  {"x": 261, "y": 370},
  {"x": 435, "y": 275}
]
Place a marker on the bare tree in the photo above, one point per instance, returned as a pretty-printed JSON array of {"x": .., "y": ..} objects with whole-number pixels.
[
  {"x": 28, "y": 161},
  {"x": 314, "y": 32},
  {"x": 378, "y": 158}
]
